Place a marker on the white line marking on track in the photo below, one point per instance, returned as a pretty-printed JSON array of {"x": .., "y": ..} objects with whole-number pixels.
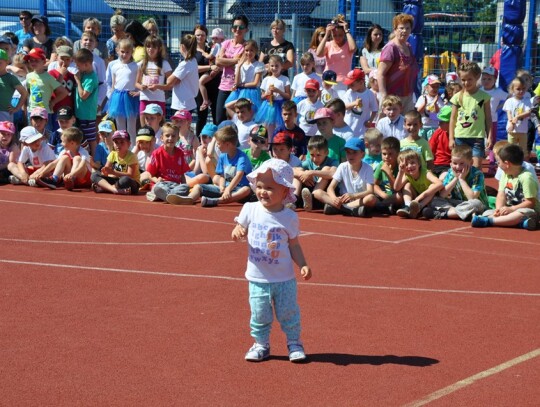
[
  {"x": 151, "y": 215},
  {"x": 472, "y": 379},
  {"x": 117, "y": 243},
  {"x": 445, "y": 232},
  {"x": 353, "y": 286}
]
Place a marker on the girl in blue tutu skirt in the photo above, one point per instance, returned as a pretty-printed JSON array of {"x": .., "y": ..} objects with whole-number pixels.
[
  {"x": 124, "y": 101},
  {"x": 275, "y": 89},
  {"x": 248, "y": 76}
]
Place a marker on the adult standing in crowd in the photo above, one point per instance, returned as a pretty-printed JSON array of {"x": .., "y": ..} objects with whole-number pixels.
[
  {"x": 118, "y": 24},
  {"x": 320, "y": 62},
  {"x": 229, "y": 55},
  {"x": 25, "y": 33},
  {"x": 136, "y": 32},
  {"x": 92, "y": 24},
  {"x": 398, "y": 69},
  {"x": 40, "y": 29},
  {"x": 278, "y": 46},
  {"x": 339, "y": 51},
  {"x": 373, "y": 45},
  {"x": 151, "y": 26},
  {"x": 206, "y": 65}
]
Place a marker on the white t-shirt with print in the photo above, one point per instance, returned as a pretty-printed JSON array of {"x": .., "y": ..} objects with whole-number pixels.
[{"x": 350, "y": 184}]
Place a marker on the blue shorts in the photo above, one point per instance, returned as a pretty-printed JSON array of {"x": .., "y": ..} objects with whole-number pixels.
[
  {"x": 477, "y": 145},
  {"x": 89, "y": 130}
]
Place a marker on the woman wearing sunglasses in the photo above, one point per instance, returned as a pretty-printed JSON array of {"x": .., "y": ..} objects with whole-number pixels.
[{"x": 229, "y": 55}]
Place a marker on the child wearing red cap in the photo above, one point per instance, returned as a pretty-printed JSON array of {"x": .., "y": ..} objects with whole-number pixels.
[
  {"x": 307, "y": 107},
  {"x": 41, "y": 85},
  {"x": 360, "y": 102},
  {"x": 298, "y": 87}
]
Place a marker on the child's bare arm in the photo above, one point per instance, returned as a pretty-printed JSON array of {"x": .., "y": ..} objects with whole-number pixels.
[
  {"x": 298, "y": 257},
  {"x": 239, "y": 233}
]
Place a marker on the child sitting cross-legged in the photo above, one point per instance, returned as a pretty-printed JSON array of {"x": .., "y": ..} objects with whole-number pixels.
[
  {"x": 385, "y": 176},
  {"x": 355, "y": 182},
  {"x": 464, "y": 193},
  {"x": 232, "y": 166},
  {"x": 167, "y": 167},
  {"x": 120, "y": 174},
  {"x": 417, "y": 183},
  {"x": 517, "y": 203},
  {"x": 33, "y": 159},
  {"x": 72, "y": 165},
  {"x": 317, "y": 170}
]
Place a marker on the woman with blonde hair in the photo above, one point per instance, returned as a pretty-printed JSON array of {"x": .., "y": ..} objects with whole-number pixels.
[
  {"x": 279, "y": 46},
  {"x": 320, "y": 62}
]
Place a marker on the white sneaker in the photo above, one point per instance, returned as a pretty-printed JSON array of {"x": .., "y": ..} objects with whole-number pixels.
[
  {"x": 307, "y": 197},
  {"x": 32, "y": 182},
  {"x": 13, "y": 180},
  {"x": 258, "y": 352},
  {"x": 150, "y": 196},
  {"x": 296, "y": 352}
]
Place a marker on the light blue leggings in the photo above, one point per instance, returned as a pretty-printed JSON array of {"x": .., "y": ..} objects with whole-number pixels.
[{"x": 264, "y": 298}]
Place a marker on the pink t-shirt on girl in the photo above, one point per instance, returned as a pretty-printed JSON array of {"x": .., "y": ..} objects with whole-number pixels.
[
  {"x": 230, "y": 50},
  {"x": 338, "y": 59}
]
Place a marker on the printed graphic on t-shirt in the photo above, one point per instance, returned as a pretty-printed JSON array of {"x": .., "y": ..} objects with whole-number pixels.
[{"x": 266, "y": 244}]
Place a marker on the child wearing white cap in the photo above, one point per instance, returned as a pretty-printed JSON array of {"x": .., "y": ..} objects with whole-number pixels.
[
  {"x": 34, "y": 157},
  {"x": 272, "y": 231}
]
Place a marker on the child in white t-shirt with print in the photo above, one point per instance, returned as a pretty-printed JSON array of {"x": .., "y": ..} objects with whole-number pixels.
[
  {"x": 428, "y": 105},
  {"x": 351, "y": 191},
  {"x": 307, "y": 107},
  {"x": 518, "y": 110},
  {"x": 360, "y": 102},
  {"x": 272, "y": 231}
]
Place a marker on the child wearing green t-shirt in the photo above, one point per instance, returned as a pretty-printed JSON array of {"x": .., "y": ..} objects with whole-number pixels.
[
  {"x": 470, "y": 121},
  {"x": 258, "y": 146},
  {"x": 517, "y": 203}
]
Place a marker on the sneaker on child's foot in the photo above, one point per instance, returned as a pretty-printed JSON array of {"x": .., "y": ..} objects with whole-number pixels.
[
  {"x": 150, "y": 196},
  {"x": 331, "y": 210},
  {"x": 480, "y": 221},
  {"x": 97, "y": 189},
  {"x": 440, "y": 214},
  {"x": 414, "y": 209},
  {"x": 14, "y": 180},
  {"x": 32, "y": 182},
  {"x": 46, "y": 182},
  {"x": 529, "y": 223},
  {"x": 296, "y": 352},
  {"x": 123, "y": 191},
  {"x": 360, "y": 212},
  {"x": 307, "y": 197},
  {"x": 174, "y": 199},
  {"x": 258, "y": 352},
  {"x": 403, "y": 212},
  {"x": 209, "y": 202}
]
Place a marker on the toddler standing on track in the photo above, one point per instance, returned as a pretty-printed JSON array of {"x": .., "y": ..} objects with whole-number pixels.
[{"x": 272, "y": 231}]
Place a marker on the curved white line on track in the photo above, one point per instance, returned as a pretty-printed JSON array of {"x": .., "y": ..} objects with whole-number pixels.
[{"x": 332, "y": 285}]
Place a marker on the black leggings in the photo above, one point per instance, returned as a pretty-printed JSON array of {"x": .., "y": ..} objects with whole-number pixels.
[
  {"x": 221, "y": 114},
  {"x": 121, "y": 183}
]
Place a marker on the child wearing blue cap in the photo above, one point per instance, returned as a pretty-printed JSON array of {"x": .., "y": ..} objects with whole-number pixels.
[{"x": 351, "y": 190}]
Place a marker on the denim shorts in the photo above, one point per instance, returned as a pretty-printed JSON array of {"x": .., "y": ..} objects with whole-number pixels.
[{"x": 477, "y": 145}]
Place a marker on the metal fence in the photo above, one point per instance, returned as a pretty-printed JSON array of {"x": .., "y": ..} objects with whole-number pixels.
[{"x": 453, "y": 29}]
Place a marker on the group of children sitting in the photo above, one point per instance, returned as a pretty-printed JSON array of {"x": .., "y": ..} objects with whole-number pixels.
[{"x": 391, "y": 168}]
